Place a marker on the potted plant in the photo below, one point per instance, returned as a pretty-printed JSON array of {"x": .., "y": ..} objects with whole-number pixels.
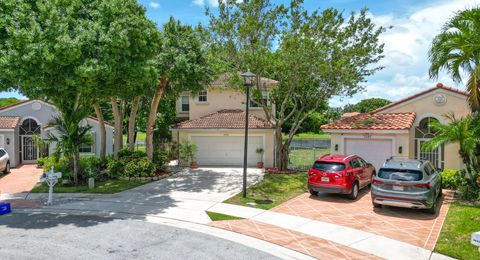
[
  {"x": 260, "y": 153},
  {"x": 187, "y": 151}
]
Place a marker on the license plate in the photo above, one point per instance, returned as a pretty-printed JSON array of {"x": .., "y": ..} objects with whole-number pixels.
[
  {"x": 325, "y": 179},
  {"x": 399, "y": 188}
]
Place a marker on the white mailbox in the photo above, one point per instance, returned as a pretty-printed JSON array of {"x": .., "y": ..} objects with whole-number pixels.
[
  {"x": 476, "y": 239},
  {"x": 51, "y": 178}
]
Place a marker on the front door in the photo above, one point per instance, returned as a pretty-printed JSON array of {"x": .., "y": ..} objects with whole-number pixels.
[
  {"x": 29, "y": 149},
  {"x": 434, "y": 156}
]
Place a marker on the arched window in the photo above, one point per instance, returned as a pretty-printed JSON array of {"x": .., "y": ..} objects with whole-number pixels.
[
  {"x": 424, "y": 129},
  {"x": 29, "y": 127}
]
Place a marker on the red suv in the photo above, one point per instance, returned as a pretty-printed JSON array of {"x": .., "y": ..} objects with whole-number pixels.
[{"x": 340, "y": 174}]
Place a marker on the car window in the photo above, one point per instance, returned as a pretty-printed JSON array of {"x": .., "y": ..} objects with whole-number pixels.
[
  {"x": 362, "y": 162},
  {"x": 2, "y": 152},
  {"x": 400, "y": 174},
  {"x": 329, "y": 166},
  {"x": 355, "y": 163}
]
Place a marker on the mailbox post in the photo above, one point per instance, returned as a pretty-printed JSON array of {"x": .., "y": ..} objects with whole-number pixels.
[{"x": 51, "y": 178}]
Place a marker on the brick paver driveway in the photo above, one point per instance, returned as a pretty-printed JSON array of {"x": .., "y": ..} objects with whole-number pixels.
[
  {"x": 411, "y": 226},
  {"x": 312, "y": 246},
  {"x": 21, "y": 179}
]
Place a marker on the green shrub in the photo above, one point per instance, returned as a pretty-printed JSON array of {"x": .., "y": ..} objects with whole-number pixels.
[
  {"x": 187, "y": 151},
  {"x": 451, "y": 179},
  {"x": 160, "y": 159},
  {"x": 115, "y": 168},
  {"x": 91, "y": 167},
  {"x": 141, "y": 167}
]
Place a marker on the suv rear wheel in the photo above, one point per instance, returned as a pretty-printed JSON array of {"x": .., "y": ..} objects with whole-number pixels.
[
  {"x": 433, "y": 209},
  {"x": 354, "y": 193},
  {"x": 313, "y": 193}
]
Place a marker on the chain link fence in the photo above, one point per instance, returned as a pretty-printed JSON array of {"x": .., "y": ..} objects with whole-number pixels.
[{"x": 303, "y": 152}]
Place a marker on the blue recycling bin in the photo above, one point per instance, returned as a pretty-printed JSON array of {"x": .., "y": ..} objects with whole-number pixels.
[{"x": 5, "y": 208}]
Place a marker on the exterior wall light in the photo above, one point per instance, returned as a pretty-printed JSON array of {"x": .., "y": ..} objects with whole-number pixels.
[
  {"x": 400, "y": 149},
  {"x": 336, "y": 147},
  {"x": 8, "y": 141}
]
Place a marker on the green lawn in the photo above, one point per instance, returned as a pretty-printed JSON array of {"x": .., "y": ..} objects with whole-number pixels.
[
  {"x": 140, "y": 137},
  {"x": 218, "y": 216},
  {"x": 462, "y": 220},
  {"x": 310, "y": 136},
  {"x": 107, "y": 187},
  {"x": 276, "y": 187},
  {"x": 304, "y": 158}
]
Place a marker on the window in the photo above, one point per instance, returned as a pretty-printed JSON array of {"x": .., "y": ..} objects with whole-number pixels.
[
  {"x": 88, "y": 148},
  {"x": 202, "y": 97},
  {"x": 254, "y": 103},
  {"x": 400, "y": 174},
  {"x": 2, "y": 152},
  {"x": 329, "y": 166},
  {"x": 29, "y": 127},
  {"x": 354, "y": 163},
  {"x": 184, "y": 101}
]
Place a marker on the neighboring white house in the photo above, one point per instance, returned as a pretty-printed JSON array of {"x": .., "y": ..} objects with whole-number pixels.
[
  {"x": 20, "y": 122},
  {"x": 401, "y": 128},
  {"x": 215, "y": 119}
]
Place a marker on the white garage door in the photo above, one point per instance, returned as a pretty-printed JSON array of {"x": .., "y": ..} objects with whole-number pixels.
[
  {"x": 375, "y": 151},
  {"x": 226, "y": 150}
]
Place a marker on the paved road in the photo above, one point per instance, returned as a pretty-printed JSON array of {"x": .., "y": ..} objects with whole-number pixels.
[{"x": 53, "y": 236}]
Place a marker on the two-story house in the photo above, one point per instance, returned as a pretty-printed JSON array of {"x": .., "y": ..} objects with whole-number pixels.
[{"x": 215, "y": 120}]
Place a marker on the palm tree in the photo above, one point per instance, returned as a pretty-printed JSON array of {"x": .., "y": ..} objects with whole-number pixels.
[
  {"x": 461, "y": 131},
  {"x": 456, "y": 50},
  {"x": 69, "y": 135}
]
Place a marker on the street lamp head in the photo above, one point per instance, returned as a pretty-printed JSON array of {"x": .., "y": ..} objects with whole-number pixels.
[{"x": 248, "y": 77}]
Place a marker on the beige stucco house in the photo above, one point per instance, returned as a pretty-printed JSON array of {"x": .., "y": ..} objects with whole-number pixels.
[
  {"x": 215, "y": 119},
  {"x": 400, "y": 128}
]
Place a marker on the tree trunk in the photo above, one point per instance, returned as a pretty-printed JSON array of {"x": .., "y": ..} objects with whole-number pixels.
[
  {"x": 76, "y": 158},
  {"x": 278, "y": 147},
  {"x": 131, "y": 123},
  {"x": 152, "y": 117},
  {"x": 103, "y": 133},
  {"x": 118, "y": 136}
]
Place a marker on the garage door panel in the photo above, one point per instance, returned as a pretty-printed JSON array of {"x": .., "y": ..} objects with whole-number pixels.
[
  {"x": 375, "y": 151},
  {"x": 226, "y": 150}
]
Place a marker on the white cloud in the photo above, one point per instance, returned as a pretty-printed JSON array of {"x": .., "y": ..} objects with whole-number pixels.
[
  {"x": 213, "y": 3},
  {"x": 406, "y": 52},
  {"x": 154, "y": 5}
]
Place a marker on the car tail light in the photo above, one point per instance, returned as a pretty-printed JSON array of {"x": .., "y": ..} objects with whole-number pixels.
[
  {"x": 423, "y": 185},
  {"x": 310, "y": 173},
  {"x": 377, "y": 182}
]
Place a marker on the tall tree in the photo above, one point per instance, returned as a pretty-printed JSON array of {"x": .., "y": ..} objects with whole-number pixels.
[
  {"x": 457, "y": 49},
  {"x": 78, "y": 51},
  {"x": 182, "y": 65},
  {"x": 319, "y": 54},
  {"x": 367, "y": 105}
]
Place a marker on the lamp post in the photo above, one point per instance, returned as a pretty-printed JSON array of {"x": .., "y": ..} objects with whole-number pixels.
[{"x": 248, "y": 78}]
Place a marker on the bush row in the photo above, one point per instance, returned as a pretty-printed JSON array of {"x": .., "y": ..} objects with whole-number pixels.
[{"x": 129, "y": 164}]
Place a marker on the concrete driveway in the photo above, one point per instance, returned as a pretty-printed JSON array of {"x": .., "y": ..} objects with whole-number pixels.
[{"x": 185, "y": 196}]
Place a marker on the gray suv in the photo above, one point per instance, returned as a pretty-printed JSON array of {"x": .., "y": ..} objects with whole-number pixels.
[{"x": 407, "y": 183}]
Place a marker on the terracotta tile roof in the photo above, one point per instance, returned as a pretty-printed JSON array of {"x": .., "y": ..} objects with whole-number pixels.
[
  {"x": 9, "y": 122},
  {"x": 349, "y": 114},
  {"x": 223, "y": 79},
  {"x": 438, "y": 86},
  {"x": 387, "y": 121},
  {"x": 225, "y": 119}
]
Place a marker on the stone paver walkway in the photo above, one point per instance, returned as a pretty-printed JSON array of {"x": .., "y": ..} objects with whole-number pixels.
[
  {"x": 21, "y": 179},
  {"x": 411, "y": 226},
  {"x": 309, "y": 245}
]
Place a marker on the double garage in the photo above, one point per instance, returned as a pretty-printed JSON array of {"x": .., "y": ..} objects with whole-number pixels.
[{"x": 227, "y": 150}]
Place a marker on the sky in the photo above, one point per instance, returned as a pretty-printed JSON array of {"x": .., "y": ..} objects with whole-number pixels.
[{"x": 415, "y": 23}]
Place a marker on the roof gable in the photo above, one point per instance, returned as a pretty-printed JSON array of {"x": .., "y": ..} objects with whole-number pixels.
[{"x": 403, "y": 101}]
